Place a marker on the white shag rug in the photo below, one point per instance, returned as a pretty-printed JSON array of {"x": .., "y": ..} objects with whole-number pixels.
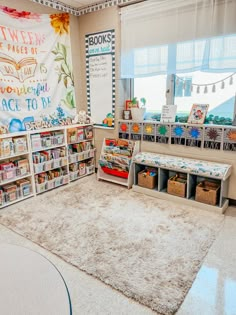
[{"x": 149, "y": 249}]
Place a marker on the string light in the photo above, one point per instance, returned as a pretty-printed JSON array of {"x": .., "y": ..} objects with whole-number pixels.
[{"x": 205, "y": 86}]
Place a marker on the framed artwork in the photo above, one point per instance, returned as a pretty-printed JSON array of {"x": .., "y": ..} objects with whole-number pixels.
[
  {"x": 198, "y": 113},
  {"x": 128, "y": 104},
  {"x": 127, "y": 114}
]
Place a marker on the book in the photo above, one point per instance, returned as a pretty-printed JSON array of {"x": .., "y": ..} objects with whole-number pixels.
[
  {"x": 21, "y": 70},
  {"x": 198, "y": 113},
  {"x": 20, "y": 144},
  {"x": 88, "y": 132},
  {"x": 11, "y": 192},
  {"x": 24, "y": 186},
  {"x": 36, "y": 141},
  {"x": 23, "y": 166},
  {"x": 6, "y": 147}
]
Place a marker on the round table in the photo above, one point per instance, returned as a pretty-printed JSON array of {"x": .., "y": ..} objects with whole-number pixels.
[{"x": 30, "y": 284}]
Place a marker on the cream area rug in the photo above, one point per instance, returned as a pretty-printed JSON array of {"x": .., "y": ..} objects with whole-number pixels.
[{"x": 149, "y": 249}]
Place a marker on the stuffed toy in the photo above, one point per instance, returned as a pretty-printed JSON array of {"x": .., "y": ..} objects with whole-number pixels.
[{"x": 82, "y": 118}]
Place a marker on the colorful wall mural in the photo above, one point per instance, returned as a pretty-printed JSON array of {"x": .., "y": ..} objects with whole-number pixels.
[{"x": 36, "y": 79}]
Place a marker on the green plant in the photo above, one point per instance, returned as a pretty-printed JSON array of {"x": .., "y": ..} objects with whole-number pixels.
[
  {"x": 134, "y": 100},
  {"x": 69, "y": 100},
  {"x": 64, "y": 71},
  {"x": 142, "y": 101}
]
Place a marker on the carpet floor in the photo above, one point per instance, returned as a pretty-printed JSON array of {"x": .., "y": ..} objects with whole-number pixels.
[{"x": 149, "y": 249}]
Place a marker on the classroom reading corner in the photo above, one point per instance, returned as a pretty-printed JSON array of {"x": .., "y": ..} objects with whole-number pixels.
[{"x": 117, "y": 157}]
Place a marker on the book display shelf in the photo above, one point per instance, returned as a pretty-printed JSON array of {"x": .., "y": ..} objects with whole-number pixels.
[
  {"x": 36, "y": 161},
  {"x": 116, "y": 160}
]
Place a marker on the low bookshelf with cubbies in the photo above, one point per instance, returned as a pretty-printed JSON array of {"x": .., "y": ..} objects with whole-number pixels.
[
  {"x": 33, "y": 162},
  {"x": 192, "y": 182}
]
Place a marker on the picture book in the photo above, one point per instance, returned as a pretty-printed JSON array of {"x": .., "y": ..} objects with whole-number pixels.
[
  {"x": 20, "y": 144},
  {"x": 6, "y": 147},
  {"x": 88, "y": 132},
  {"x": 198, "y": 113}
]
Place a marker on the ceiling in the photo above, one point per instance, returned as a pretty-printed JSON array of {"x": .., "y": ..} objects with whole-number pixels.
[
  {"x": 80, "y": 7},
  {"x": 79, "y": 4}
]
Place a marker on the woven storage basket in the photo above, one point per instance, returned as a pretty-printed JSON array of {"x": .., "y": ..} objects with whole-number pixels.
[
  {"x": 207, "y": 192},
  {"x": 177, "y": 187},
  {"x": 146, "y": 181}
]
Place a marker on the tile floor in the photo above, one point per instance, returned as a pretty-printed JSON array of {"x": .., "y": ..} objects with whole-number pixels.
[{"x": 213, "y": 291}]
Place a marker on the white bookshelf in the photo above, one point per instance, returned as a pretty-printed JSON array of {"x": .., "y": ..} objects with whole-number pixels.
[{"x": 56, "y": 138}]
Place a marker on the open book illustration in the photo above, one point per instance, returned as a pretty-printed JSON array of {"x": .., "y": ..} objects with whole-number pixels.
[{"x": 21, "y": 70}]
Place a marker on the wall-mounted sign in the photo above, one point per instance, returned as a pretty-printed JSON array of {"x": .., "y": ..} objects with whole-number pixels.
[{"x": 100, "y": 75}]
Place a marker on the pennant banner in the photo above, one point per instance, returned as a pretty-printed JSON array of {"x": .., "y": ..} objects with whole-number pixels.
[{"x": 36, "y": 79}]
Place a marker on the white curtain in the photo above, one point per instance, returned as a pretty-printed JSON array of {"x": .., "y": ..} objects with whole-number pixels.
[{"x": 173, "y": 36}]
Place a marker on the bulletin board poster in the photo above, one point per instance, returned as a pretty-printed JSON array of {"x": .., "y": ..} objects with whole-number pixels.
[
  {"x": 100, "y": 76},
  {"x": 36, "y": 79}
]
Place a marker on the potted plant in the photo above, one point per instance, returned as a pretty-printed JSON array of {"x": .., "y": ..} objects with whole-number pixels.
[{"x": 138, "y": 109}]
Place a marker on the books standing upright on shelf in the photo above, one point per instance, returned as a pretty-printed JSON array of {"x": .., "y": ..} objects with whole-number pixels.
[
  {"x": 82, "y": 169},
  {"x": 80, "y": 134},
  {"x": 21, "y": 70},
  {"x": 10, "y": 192},
  {"x": 71, "y": 135},
  {"x": 36, "y": 141},
  {"x": 24, "y": 186},
  {"x": 23, "y": 166},
  {"x": 20, "y": 144},
  {"x": 88, "y": 131},
  {"x": 6, "y": 147}
]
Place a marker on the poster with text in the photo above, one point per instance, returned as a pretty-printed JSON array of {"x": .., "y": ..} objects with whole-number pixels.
[
  {"x": 100, "y": 75},
  {"x": 36, "y": 79}
]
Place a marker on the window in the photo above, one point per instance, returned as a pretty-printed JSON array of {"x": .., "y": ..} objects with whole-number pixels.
[
  {"x": 189, "y": 88},
  {"x": 193, "y": 40},
  {"x": 153, "y": 89},
  {"x": 220, "y": 96}
]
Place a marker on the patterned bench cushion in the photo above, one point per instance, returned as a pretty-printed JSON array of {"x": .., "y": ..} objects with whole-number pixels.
[{"x": 198, "y": 167}]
